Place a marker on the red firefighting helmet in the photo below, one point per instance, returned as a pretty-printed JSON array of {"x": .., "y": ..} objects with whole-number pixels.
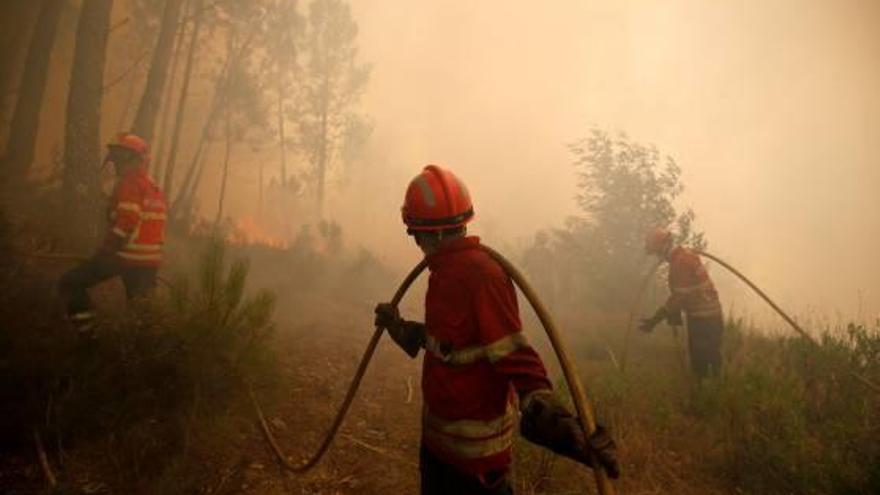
[
  {"x": 132, "y": 143},
  {"x": 658, "y": 241},
  {"x": 436, "y": 200}
]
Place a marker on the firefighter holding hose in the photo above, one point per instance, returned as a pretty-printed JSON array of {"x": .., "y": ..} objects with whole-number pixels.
[
  {"x": 693, "y": 293},
  {"x": 480, "y": 376}
]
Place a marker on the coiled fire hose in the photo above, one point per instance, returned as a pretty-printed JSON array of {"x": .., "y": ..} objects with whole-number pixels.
[
  {"x": 788, "y": 319},
  {"x": 582, "y": 406}
]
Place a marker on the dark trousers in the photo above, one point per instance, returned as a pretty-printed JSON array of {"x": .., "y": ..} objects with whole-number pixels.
[
  {"x": 439, "y": 478},
  {"x": 74, "y": 285},
  {"x": 704, "y": 345}
]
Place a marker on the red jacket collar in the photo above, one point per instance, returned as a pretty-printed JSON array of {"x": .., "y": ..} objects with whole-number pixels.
[
  {"x": 452, "y": 246},
  {"x": 677, "y": 252},
  {"x": 134, "y": 172}
]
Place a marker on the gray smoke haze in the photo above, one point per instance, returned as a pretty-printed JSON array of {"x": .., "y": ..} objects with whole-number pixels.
[{"x": 770, "y": 108}]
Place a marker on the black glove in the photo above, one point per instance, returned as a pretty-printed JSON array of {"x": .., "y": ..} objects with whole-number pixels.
[
  {"x": 674, "y": 318},
  {"x": 546, "y": 422},
  {"x": 111, "y": 245},
  {"x": 648, "y": 324},
  {"x": 409, "y": 335},
  {"x": 387, "y": 315}
]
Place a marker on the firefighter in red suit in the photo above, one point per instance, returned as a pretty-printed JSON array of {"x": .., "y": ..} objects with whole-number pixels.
[
  {"x": 132, "y": 247},
  {"x": 691, "y": 292},
  {"x": 480, "y": 377}
]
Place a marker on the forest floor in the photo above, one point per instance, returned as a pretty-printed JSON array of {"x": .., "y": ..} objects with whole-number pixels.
[
  {"x": 766, "y": 428},
  {"x": 376, "y": 450}
]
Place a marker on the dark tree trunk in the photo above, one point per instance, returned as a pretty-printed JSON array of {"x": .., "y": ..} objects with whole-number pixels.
[
  {"x": 281, "y": 138},
  {"x": 225, "y": 177},
  {"x": 161, "y": 142},
  {"x": 194, "y": 172},
  {"x": 145, "y": 120},
  {"x": 322, "y": 153},
  {"x": 260, "y": 191},
  {"x": 82, "y": 147},
  {"x": 26, "y": 118},
  {"x": 168, "y": 180}
]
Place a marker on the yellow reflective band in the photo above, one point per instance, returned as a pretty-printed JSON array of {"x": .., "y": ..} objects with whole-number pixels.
[
  {"x": 154, "y": 203},
  {"x": 128, "y": 206},
  {"x": 692, "y": 288},
  {"x": 471, "y": 449},
  {"x": 134, "y": 246},
  {"x": 704, "y": 314},
  {"x": 140, "y": 257},
  {"x": 152, "y": 215},
  {"x": 493, "y": 352},
  {"x": 504, "y": 346},
  {"x": 703, "y": 311},
  {"x": 470, "y": 429},
  {"x": 120, "y": 232}
]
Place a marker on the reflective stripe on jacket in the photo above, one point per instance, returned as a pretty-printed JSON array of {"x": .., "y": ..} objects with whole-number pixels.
[
  {"x": 138, "y": 216},
  {"x": 691, "y": 289},
  {"x": 470, "y": 439},
  {"x": 477, "y": 360}
]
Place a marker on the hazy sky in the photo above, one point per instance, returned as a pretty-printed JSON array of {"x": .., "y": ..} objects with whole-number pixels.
[{"x": 770, "y": 107}]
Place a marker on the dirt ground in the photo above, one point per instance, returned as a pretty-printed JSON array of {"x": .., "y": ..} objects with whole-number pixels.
[{"x": 376, "y": 451}]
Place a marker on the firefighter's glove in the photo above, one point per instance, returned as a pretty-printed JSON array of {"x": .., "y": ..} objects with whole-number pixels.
[
  {"x": 112, "y": 244},
  {"x": 648, "y": 324},
  {"x": 548, "y": 423},
  {"x": 674, "y": 318},
  {"x": 409, "y": 335}
]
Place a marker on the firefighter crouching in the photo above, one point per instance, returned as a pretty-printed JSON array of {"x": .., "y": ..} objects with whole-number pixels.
[
  {"x": 690, "y": 291},
  {"x": 479, "y": 372},
  {"x": 132, "y": 247}
]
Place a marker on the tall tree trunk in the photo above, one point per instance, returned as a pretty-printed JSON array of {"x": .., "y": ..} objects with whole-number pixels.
[
  {"x": 322, "y": 153},
  {"x": 192, "y": 186},
  {"x": 82, "y": 146},
  {"x": 145, "y": 120},
  {"x": 160, "y": 147},
  {"x": 225, "y": 177},
  {"x": 281, "y": 138},
  {"x": 13, "y": 35},
  {"x": 122, "y": 121},
  {"x": 189, "y": 181},
  {"x": 26, "y": 118},
  {"x": 168, "y": 180},
  {"x": 260, "y": 191},
  {"x": 194, "y": 174},
  {"x": 195, "y": 163}
]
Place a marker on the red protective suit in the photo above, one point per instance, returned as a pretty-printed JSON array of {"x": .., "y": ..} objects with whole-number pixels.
[
  {"x": 691, "y": 289},
  {"x": 476, "y": 359},
  {"x": 137, "y": 218}
]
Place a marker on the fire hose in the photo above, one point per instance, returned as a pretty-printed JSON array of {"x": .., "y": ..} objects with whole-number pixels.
[
  {"x": 584, "y": 411},
  {"x": 788, "y": 319},
  {"x": 582, "y": 406}
]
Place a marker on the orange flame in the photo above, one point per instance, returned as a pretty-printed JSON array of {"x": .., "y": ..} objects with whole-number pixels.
[{"x": 247, "y": 231}]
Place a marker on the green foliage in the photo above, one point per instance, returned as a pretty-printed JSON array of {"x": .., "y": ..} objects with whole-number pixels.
[
  {"x": 331, "y": 84},
  {"x": 791, "y": 418},
  {"x": 158, "y": 381},
  {"x": 625, "y": 189}
]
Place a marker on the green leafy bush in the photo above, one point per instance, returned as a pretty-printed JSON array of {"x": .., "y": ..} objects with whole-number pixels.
[
  {"x": 791, "y": 417},
  {"x": 148, "y": 392}
]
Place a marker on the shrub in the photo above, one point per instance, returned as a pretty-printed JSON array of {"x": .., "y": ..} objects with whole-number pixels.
[
  {"x": 158, "y": 379},
  {"x": 791, "y": 418}
]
